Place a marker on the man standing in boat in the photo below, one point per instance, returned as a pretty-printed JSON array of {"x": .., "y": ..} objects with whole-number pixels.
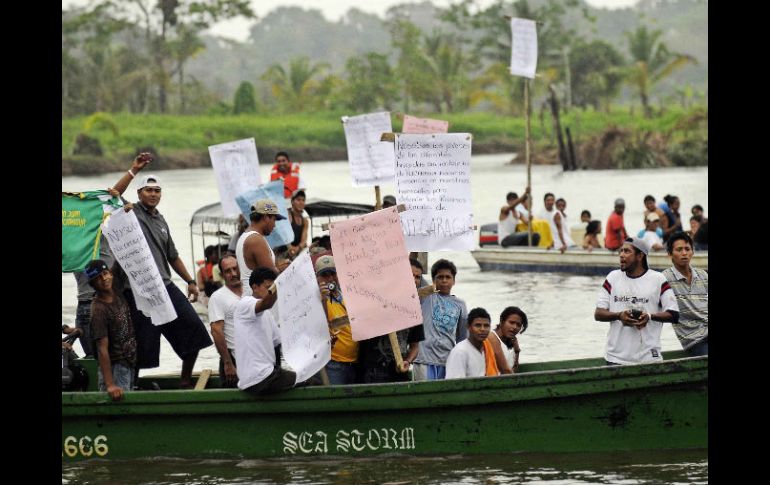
[
  {"x": 509, "y": 218},
  {"x": 691, "y": 287},
  {"x": 221, "y": 308},
  {"x": 252, "y": 249},
  {"x": 636, "y": 301},
  {"x": 187, "y": 334},
  {"x": 288, "y": 171},
  {"x": 444, "y": 318}
]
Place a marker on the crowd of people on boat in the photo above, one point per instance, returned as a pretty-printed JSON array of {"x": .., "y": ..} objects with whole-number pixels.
[
  {"x": 551, "y": 227},
  {"x": 451, "y": 342}
]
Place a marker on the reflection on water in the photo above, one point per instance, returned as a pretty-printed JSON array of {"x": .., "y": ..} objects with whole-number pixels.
[{"x": 689, "y": 466}]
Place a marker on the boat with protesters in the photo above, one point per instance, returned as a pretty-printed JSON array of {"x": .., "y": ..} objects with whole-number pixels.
[
  {"x": 558, "y": 406},
  {"x": 491, "y": 256}
]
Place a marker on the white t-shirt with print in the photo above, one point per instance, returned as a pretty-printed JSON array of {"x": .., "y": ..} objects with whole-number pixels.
[{"x": 651, "y": 291}]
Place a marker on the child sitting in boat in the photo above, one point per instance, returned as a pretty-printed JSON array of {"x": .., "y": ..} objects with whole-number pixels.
[{"x": 591, "y": 239}]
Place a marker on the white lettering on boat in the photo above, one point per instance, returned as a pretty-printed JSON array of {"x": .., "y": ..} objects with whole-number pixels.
[
  {"x": 84, "y": 446},
  {"x": 346, "y": 441}
]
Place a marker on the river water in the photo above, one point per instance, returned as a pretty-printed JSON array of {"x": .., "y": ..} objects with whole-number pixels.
[{"x": 559, "y": 307}]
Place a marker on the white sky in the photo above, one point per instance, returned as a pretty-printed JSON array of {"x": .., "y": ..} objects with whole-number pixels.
[{"x": 333, "y": 10}]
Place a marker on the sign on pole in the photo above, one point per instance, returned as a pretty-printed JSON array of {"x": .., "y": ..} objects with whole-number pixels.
[
  {"x": 129, "y": 246},
  {"x": 236, "y": 166},
  {"x": 375, "y": 275},
  {"x": 433, "y": 180},
  {"x": 523, "y": 47},
  {"x": 371, "y": 160},
  {"x": 304, "y": 330}
]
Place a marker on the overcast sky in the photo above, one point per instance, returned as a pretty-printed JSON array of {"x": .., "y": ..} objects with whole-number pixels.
[{"x": 333, "y": 10}]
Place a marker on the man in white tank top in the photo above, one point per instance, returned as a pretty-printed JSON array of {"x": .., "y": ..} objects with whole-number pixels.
[
  {"x": 563, "y": 239},
  {"x": 252, "y": 249}
]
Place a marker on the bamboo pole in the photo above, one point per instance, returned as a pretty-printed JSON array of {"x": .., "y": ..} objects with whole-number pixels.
[
  {"x": 377, "y": 198},
  {"x": 528, "y": 155}
]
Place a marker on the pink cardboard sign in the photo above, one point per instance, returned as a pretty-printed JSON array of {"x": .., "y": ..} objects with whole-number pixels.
[
  {"x": 412, "y": 124},
  {"x": 375, "y": 275}
]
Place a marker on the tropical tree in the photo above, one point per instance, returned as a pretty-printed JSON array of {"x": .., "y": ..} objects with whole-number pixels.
[
  {"x": 371, "y": 82},
  {"x": 597, "y": 70},
  {"x": 651, "y": 61},
  {"x": 244, "y": 100},
  {"x": 295, "y": 89}
]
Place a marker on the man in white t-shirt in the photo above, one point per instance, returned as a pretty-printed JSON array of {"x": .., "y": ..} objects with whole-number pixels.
[
  {"x": 221, "y": 308},
  {"x": 651, "y": 222},
  {"x": 256, "y": 336},
  {"x": 636, "y": 301},
  {"x": 468, "y": 358}
]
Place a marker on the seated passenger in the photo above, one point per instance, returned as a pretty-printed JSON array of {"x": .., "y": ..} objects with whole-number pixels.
[{"x": 469, "y": 357}]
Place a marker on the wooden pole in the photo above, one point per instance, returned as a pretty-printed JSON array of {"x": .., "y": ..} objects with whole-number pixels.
[
  {"x": 396, "y": 351},
  {"x": 528, "y": 155},
  {"x": 377, "y": 198}
]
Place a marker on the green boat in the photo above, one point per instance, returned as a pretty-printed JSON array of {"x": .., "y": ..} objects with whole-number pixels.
[{"x": 562, "y": 406}]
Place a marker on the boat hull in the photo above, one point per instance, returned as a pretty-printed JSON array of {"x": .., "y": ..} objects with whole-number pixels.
[
  {"x": 651, "y": 406},
  {"x": 576, "y": 261}
]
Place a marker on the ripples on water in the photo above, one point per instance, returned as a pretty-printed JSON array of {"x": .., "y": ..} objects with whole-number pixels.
[{"x": 573, "y": 468}]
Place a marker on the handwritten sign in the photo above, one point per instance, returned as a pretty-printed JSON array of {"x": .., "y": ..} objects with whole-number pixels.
[
  {"x": 283, "y": 234},
  {"x": 129, "y": 246},
  {"x": 413, "y": 124},
  {"x": 371, "y": 160},
  {"x": 523, "y": 47},
  {"x": 433, "y": 180},
  {"x": 304, "y": 331},
  {"x": 375, "y": 275},
  {"x": 237, "y": 169}
]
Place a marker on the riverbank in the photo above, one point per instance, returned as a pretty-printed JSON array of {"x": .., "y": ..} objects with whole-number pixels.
[{"x": 618, "y": 139}]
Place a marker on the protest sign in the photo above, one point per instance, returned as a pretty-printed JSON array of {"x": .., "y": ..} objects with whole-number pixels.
[
  {"x": 523, "y": 47},
  {"x": 371, "y": 160},
  {"x": 412, "y": 124},
  {"x": 283, "y": 233},
  {"x": 236, "y": 166}
]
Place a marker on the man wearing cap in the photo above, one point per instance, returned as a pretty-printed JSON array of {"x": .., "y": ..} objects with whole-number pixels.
[
  {"x": 636, "y": 301},
  {"x": 388, "y": 201},
  {"x": 616, "y": 232},
  {"x": 187, "y": 334},
  {"x": 341, "y": 367},
  {"x": 253, "y": 250},
  {"x": 288, "y": 171},
  {"x": 112, "y": 330},
  {"x": 654, "y": 242}
]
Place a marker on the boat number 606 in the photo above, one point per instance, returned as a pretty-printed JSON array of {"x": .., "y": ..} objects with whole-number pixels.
[{"x": 85, "y": 446}]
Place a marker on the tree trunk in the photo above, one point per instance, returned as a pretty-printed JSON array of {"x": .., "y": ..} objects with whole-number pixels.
[
  {"x": 572, "y": 159},
  {"x": 646, "y": 105},
  {"x": 557, "y": 128},
  {"x": 182, "y": 101}
]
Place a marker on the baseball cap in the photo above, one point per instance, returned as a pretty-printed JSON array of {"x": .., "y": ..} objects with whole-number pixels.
[
  {"x": 388, "y": 200},
  {"x": 620, "y": 201},
  {"x": 266, "y": 207},
  {"x": 325, "y": 263},
  {"x": 652, "y": 217},
  {"x": 641, "y": 245},
  {"x": 95, "y": 268},
  {"x": 149, "y": 181}
]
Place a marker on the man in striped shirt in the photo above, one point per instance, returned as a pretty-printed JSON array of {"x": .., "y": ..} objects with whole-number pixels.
[{"x": 691, "y": 287}]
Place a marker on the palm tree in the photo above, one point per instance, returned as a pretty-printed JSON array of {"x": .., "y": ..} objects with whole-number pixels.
[
  {"x": 651, "y": 61},
  {"x": 296, "y": 88}
]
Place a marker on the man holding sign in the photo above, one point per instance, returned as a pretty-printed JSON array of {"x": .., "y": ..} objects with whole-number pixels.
[{"x": 187, "y": 334}]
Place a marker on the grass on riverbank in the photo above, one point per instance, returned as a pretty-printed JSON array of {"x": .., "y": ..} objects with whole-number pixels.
[{"x": 320, "y": 135}]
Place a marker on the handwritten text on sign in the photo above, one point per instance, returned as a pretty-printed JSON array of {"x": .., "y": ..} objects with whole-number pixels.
[
  {"x": 523, "y": 47},
  {"x": 412, "y": 124},
  {"x": 375, "y": 275},
  {"x": 304, "y": 331},
  {"x": 237, "y": 169},
  {"x": 129, "y": 246},
  {"x": 433, "y": 180},
  {"x": 371, "y": 160}
]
